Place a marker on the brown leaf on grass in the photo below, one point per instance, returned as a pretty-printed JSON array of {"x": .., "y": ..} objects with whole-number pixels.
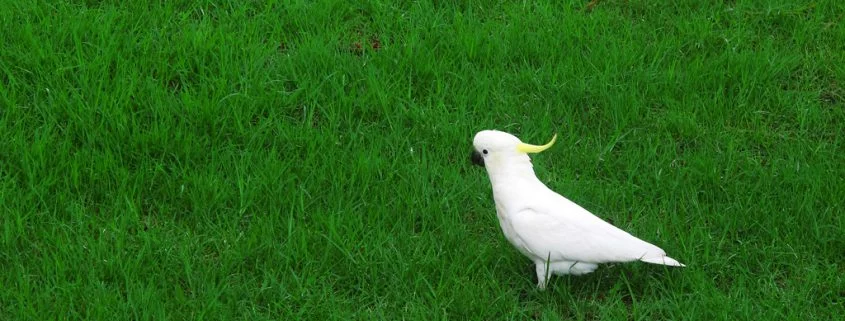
[
  {"x": 592, "y": 4},
  {"x": 356, "y": 48}
]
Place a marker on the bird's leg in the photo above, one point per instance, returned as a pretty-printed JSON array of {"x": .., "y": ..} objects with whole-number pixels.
[{"x": 542, "y": 274}]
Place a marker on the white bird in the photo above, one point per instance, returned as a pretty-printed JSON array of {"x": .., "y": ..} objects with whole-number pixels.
[{"x": 559, "y": 236}]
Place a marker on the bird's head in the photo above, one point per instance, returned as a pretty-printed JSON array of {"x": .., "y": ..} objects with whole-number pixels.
[{"x": 498, "y": 150}]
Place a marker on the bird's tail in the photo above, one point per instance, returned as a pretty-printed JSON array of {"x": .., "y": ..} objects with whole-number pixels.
[{"x": 662, "y": 260}]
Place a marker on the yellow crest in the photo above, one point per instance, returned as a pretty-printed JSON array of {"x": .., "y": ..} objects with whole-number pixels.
[{"x": 528, "y": 148}]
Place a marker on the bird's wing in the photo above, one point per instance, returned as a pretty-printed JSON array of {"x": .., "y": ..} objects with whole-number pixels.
[{"x": 559, "y": 229}]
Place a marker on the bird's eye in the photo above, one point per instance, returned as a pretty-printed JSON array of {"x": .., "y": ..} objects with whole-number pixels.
[{"x": 484, "y": 151}]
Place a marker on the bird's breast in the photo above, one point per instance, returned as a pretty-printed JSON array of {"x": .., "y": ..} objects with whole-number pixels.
[{"x": 510, "y": 233}]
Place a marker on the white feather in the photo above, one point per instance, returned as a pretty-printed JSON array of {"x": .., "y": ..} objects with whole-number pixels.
[{"x": 560, "y": 236}]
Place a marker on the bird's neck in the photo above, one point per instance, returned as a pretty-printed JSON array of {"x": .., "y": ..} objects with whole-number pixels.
[{"x": 518, "y": 172}]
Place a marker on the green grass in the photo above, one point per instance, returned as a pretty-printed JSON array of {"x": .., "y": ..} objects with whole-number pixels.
[{"x": 213, "y": 160}]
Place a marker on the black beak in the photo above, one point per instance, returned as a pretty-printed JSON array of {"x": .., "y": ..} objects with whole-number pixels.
[{"x": 477, "y": 159}]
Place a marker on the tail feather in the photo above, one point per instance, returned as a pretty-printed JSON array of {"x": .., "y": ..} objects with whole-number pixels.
[{"x": 662, "y": 260}]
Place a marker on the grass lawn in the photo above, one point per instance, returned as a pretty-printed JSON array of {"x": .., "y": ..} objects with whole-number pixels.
[{"x": 205, "y": 160}]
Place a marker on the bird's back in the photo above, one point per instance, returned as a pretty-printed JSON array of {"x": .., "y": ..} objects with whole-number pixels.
[{"x": 557, "y": 228}]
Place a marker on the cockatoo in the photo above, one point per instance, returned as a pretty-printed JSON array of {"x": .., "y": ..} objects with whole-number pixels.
[{"x": 559, "y": 236}]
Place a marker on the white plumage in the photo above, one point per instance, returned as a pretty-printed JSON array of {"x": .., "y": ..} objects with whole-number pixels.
[{"x": 559, "y": 236}]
